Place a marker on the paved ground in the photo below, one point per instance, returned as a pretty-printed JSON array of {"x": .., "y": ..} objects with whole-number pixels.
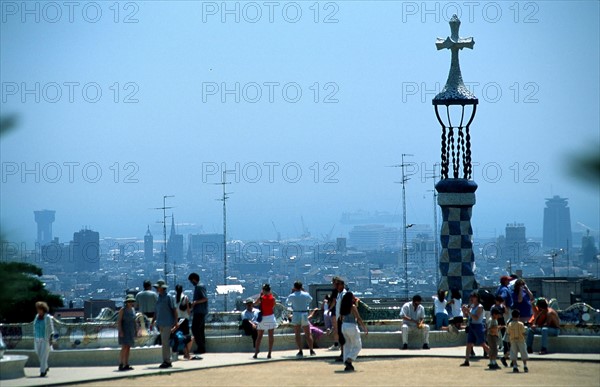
[
  {"x": 416, "y": 371},
  {"x": 375, "y": 367}
]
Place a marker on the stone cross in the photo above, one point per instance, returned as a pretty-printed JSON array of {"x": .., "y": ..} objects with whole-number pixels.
[{"x": 455, "y": 90}]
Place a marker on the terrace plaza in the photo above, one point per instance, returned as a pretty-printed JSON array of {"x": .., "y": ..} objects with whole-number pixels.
[{"x": 375, "y": 366}]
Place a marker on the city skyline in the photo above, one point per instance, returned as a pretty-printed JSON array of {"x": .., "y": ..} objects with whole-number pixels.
[{"x": 115, "y": 113}]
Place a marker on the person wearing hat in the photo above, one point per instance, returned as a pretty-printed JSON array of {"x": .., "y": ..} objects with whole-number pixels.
[
  {"x": 126, "y": 325},
  {"x": 165, "y": 318},
  {"x": 505, "y": 293},
  {"x": 249, "y": 323},
  {"x": 146, "y": 300}
]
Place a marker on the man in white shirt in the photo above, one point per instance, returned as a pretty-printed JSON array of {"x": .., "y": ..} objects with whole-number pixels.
[
  {"x": 413, "y": 314},
  {"x": 300, "y": 301},
  {"x": 249, "y": 322}
]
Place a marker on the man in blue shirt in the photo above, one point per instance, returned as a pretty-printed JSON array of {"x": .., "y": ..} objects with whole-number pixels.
[
  {"x": 300, "y": 301},
  {"x": 165, "y": 318},
  {"x": 504, "y": 292},
  {"x": 199, "y": 312}
]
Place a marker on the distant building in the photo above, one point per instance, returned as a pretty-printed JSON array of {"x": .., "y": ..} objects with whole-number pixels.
[
  {"x": 202, "y": 246},
  {"x": 44, "y": 220},
  {"x": 56, "y": 253},
  {"x": 515, "y": 243},
  {"x": 589, "y": 251},
  {"x": 86, "y": 250},
  {"x": 557, "y": 224},
  {"x": 148, "y": 246},
  {"x": 373, "y": 237},
  {"x": 71, "y": 315},
  {"x": 175, "y": 246},
  {"x": 341, "y": 245}
]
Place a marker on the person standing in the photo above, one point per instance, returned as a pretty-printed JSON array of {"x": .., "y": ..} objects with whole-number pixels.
[
  {"x": 413, "y": 317},
  {"x": 505, "y": 293},
  {"x": 267, "y": 321},
  {"x": 126, "y": 325},
  {"x": 500, "y": 308},
  {"x": 165, "y": 317},
  {"x": 331, "y": 306},
  {"x": 516, "y": 331},
  {"x": 493, "y": 334},
  {"x": 350, "y": 321},
  {"x": 249, "y": 323},
  {"x": 546, "y": 323},
  {"x": 146, "y": 300},
  {"x": 521, "y": 300},
  {"x": 341, "y": 291},
  {"x": 300, "y": 301},
  {"x": 199, "y": 312},
  {"x": 476, "y": 335},
  {"x": 43, "y": 332}
]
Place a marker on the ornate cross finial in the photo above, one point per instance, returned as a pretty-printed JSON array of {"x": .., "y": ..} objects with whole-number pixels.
[{"x": 455, "y": 92}]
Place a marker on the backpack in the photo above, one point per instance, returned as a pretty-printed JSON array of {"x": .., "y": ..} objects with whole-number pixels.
[
  {"x": 183, "y": 303},
  {"x": 487, "y": 299}
]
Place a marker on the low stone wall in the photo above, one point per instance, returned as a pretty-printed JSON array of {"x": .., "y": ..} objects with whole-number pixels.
[
  {"x": 577, "y": 320},
  {"x": 93, "y": 357}
]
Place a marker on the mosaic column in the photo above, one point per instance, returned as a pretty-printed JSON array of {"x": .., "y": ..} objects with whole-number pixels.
[{"x": 456, "y": 190}]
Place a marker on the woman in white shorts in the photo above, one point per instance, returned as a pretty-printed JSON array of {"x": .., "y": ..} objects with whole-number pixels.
[{"x": 266, "y": 301}]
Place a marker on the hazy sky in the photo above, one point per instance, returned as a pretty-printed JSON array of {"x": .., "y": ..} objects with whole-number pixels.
[{"x": 328, "y": 95}]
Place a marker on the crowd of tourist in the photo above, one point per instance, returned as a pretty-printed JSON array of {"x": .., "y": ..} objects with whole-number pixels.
[{"x": 507, "y": 320}]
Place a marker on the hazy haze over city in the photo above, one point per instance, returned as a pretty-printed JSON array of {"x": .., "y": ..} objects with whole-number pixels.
[{"x": 167, "y": 120}]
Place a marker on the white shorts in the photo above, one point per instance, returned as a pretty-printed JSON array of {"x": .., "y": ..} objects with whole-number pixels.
[
  {"x": 268, "y": 322},
  {"x": 300, "y": 318}
]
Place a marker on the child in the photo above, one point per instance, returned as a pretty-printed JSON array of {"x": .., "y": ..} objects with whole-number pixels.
[
  {"x": 476, "y": 334},
  {"x": 441, "y": 315},
  {"x": 502, "y": 321},
  {"x": 492, "y": 338},
  {"x": 516, "y": 332}
]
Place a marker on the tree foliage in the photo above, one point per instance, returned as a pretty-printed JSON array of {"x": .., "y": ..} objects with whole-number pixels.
[{"x": 20, "y": 289}]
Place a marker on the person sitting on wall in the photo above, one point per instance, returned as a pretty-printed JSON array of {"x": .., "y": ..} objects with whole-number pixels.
[
  {"x": 249, "y": 323},
  {"x": 413, "y": 316},
  {"x": 546, "y": 324}
]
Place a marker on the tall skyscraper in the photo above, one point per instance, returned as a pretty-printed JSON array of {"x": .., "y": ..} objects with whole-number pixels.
[
  {"x": 148, "y": 245},
  {"x": 588, "y": 248},
  {"x": 175, "y": 246},
  {"x": 557, "y": 224},
  {"x": 86, "y": 250},
  {"x": 44, "y": 219}
]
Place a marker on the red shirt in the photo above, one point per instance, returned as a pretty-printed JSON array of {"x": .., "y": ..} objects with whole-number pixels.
[{"x": 267, "y": 304}]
